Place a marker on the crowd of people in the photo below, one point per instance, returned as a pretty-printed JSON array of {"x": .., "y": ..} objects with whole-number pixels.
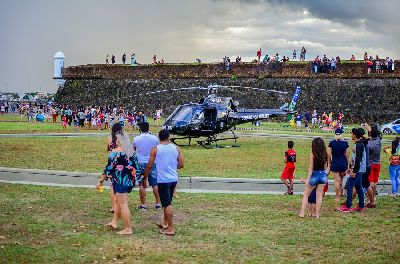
[
  {"x": 355, "y": 171},
  {"x": 123, "y": 59},
  {"x": 325, "y": 65},
  {"x": 378, "y": 65},
  {"x": 91, "y": 117},
  {"x": 5, "y": 108},
  {"x": 148, "y": 160},
  {"x": 326, "y": 121}
]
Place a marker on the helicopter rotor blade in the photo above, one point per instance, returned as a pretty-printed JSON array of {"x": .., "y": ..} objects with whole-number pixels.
[
  {"x": 176, "y": 89},
  {"x": 258, "y": 89},
  {"x": 228, "y": 89}
]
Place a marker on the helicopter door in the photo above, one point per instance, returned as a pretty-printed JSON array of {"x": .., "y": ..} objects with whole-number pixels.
[{"x": 210, "y": 119}]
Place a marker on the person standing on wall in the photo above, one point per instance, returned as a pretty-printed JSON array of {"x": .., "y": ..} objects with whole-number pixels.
[
  {"x": 169, "y": 159},
  {"x": 143, "y": 144},
  {"x": 259, "y": 55},
  {"x": 123, "y": 58}
]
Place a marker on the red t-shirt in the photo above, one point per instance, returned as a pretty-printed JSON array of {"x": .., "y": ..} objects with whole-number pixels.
[{"x": 290, "y": 158}]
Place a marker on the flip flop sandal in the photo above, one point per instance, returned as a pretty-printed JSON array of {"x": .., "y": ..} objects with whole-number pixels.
[
  {"x": 110, "y": 227},
  {"x": 167, "y": 234},
  {"x": 161, "y": 226}
]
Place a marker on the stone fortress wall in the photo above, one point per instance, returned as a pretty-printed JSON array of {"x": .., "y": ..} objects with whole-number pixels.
[{"x": 350, "y": 89}]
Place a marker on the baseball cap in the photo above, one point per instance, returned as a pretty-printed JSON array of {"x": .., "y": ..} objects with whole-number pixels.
[{"x": 339, "y": 131}]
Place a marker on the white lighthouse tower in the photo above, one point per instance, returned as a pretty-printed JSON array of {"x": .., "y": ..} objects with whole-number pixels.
[{"x": 58, "y": 65}]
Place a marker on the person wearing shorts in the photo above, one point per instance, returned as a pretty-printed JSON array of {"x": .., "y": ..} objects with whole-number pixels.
[
  {"x": 317, "y": 179},
  {"x": 374, "y": 147},
  {"x": 169, "y": 159},
  {"x": 143, "y": 144},
  {"x": 298, "y": 119},
  {"x": 288, "y": 172},
  {"x": 122, "y": 166},
  {"x": 338, "y": 155}
]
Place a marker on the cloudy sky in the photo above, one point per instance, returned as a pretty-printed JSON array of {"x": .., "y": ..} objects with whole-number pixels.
[{"x": 32, "y": 31}]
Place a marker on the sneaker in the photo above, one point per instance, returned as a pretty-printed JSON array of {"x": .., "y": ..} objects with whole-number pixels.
[
  {"x": 157, "y": 207},
  {"x": 357, "y": 209},
  {"x": 142, "y": 207},
  {"x": 344, "y": 209}
]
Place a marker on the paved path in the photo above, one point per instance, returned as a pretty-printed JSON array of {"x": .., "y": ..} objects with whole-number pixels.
[{"x": 186, "y": 184}]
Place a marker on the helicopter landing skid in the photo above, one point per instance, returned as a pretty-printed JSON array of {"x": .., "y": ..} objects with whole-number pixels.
[
  {"x": 180, "y": 145},
  {"x": 208, "y": 142}
]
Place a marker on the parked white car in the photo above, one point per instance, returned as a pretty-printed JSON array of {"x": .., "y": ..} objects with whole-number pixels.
[{"x": 391, "y": 128}]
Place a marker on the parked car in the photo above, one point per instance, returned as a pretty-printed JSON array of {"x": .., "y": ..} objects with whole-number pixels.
[{"x": 391, "y": 128}]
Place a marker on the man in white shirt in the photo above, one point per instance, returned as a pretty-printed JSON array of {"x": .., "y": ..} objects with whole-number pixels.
[
  {"x": 143, "y": 145},
  {"x": 169, "y": 159}
]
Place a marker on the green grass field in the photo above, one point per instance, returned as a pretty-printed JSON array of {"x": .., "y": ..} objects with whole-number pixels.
[
  {"x": 14, "y": 124},
  {"x": 255, "y": 158},
  {"x": 65, "y": 225}
]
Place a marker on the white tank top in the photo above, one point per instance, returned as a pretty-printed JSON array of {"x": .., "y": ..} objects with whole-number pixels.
[{"x": 167, "y": 163}]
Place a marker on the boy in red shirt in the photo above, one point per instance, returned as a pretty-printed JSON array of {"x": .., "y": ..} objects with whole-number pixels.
[{"x": 288, "y": 172}]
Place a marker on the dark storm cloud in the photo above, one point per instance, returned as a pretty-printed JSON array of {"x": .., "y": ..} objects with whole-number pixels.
[{"x": 376, "y": 15}]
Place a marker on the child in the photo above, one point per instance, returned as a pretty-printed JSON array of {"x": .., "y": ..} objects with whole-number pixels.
[
  {"x": 64, "y": 121},
  {"x": 121, "y": 119},
  {"x": 312, "y": 200},
  {"x": 76, "y": 123},
  {"x": 106, "y": 120},
  {"x": 288, "y": 171},
  {"x": 94, "y": 121},
  {"x": 130, "y": 120},
  {"x": 112, "y": 119},
  {"x": 99, "y": 123}
]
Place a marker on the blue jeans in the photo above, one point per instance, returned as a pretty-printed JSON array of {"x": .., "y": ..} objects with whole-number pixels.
[
  {"x": 318, "y": 177},
  {"x": 394, "y": 172},
  {"x": 355, "y": 182}
]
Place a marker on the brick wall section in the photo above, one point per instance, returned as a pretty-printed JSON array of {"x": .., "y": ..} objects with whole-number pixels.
[{"x": 202, "y": 71}]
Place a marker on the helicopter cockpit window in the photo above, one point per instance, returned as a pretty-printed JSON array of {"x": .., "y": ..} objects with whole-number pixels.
[{"x": 184, "y": 114}]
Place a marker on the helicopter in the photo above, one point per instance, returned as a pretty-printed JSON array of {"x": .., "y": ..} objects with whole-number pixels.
[{"x": 214, "y": 115}]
